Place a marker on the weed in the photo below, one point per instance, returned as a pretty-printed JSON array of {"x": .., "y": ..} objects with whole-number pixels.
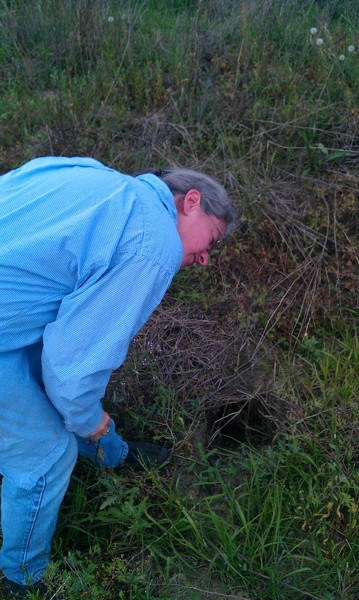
[{"x": 278, "y": 524}]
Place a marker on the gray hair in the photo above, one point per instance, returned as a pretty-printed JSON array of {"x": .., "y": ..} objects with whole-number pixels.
[{"x": 214, "y": 198}]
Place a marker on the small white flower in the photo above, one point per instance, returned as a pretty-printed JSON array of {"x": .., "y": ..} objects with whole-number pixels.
[
  {"x": 351, "y": 48},
  {"x": 341, "y": 57},
  {"x": 110, "y": 19},
  {"x": 313, "y": 30},
  {"x": 319, "y": 42}
]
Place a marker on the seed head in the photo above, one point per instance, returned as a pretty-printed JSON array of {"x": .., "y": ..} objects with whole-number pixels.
[
  {"x": 110, "y": 19},
  {"x": 319, "y": 42},
  {"x": 313, "y": 30},
  {"x": 351, "y": 48},
  {"x": 341, "y": 57}
]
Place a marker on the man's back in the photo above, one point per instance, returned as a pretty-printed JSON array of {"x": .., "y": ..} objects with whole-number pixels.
[{"x": 62, "y": 220}]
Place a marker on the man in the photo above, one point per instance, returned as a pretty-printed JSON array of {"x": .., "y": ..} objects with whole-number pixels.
[{"x": 86, "y": 255}]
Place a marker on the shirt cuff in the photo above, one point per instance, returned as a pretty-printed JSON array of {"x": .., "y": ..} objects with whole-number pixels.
[{"x": 85, "y": 428}]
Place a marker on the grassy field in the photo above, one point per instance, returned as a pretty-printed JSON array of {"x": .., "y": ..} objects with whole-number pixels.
[{"x": 249, "y": 371}]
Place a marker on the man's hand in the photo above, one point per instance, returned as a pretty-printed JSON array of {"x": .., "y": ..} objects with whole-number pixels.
[{"x": 103, "y": 428}]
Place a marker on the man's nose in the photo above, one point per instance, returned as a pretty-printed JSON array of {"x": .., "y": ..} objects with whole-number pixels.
[{"x": 203, "y": 258}]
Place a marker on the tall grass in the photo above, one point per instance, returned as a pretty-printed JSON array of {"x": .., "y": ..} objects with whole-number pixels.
[{"x": 218, "y": 78}]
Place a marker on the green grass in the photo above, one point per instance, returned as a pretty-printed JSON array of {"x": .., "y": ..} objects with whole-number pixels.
[
  {"x": 198, "y": 73},
  {"x": 242, "y": 91},
  {"x": 274, "y": 523},
  {"x": 278, "y": 521}
]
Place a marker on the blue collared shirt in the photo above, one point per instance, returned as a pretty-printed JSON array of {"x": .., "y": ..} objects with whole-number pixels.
[{"x": 86, "y": 255}]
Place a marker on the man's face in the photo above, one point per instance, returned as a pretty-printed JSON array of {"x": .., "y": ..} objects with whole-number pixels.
[{"x": 198, "y": 231}]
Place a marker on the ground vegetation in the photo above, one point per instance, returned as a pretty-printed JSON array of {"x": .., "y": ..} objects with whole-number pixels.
[{"x": 249, "y": 371}]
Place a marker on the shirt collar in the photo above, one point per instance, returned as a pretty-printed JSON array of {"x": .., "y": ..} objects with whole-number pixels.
[{"x": 163, "y": 191}]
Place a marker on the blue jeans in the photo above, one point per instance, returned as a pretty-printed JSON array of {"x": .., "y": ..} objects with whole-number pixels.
[{"x": 29, "y": 517}]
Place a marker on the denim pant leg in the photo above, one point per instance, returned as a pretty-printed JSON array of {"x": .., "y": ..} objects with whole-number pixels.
[
  {"x": 29, "y": 519},
  {"x": 110, "y": 451}
]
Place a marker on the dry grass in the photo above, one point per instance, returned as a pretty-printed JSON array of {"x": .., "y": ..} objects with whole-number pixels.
[{"x": 277, "y": 281}]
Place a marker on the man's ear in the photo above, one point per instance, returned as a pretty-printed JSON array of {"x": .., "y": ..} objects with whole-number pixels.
[{"x": 191, "y": 201}]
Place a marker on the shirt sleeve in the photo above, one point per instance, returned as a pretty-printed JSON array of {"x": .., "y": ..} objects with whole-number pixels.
[{"x": 91, "y": 335}]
